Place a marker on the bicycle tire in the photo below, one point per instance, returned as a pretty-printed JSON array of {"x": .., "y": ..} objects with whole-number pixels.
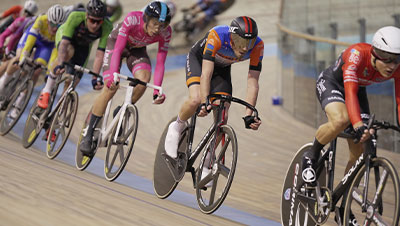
[
  {"x": 67, "y": 114},
  {"x": 83, "y": 161},
  {"x": 291, "y": 209},
  {"x": 206, "y": 199},
  {"x": 7, "y": 122},
  {"x": 32, "y": 129},
  {"x": 382, "y": 167},
  {"x": 111, "y": 170},
  {"x": 164, "y": 182}
]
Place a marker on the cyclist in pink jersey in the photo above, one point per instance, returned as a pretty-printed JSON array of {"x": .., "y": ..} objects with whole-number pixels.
[{"x": 129, "y": 40}]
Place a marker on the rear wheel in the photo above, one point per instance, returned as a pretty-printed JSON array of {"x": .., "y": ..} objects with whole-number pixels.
[
  {"x": 16, "y": 107},
  {"x": 62, "y": 124},
  {"x": 220, "y": 163},
  {"x": 382, "y": 197},
  {"x": 119, "y": 149}
]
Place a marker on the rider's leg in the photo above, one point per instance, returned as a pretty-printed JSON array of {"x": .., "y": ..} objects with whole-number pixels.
[
  {"x": 143, "y": 75},
  {"x": 12, "y": 67}
]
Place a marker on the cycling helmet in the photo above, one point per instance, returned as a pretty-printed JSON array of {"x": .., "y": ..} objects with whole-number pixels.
[
  {"x": 112, "y": 3},
  {"x": 171, "y": 6},
  {"x": 56, "y": 14},
  {"x": 386, "y": 44},
  {"x": 96, "y": 8},
  {"x": 158, "y": 10},
  {"x": 31, "y": 7},
  {"x": 244, "y": 26}
]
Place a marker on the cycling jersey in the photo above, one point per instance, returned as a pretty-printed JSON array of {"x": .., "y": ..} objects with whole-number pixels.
[
  {"x": 13, "y": 10},
  {"x": 130, "y": 35},
  {"x": 353, "y": 69},
  {"x": 115, "y": 15},
  {"x": 216, "y": 47},
  {"x": 38, "y": 35},
  {"x": 13, "y": 33},
  {"x": 76, "y": 31}
]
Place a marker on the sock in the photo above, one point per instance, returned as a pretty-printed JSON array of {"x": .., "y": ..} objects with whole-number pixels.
[
  {"x": 181, "y": 124},
  {"x": 51, "y": 81},
  {"x": 20, "y": 99},
  {"x": 92, "y": 124},
  {"x": 4, "y": 80}
]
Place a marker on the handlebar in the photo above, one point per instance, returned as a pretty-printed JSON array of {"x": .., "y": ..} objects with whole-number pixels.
[
  {"x": 31, "y": 62},
  {"x": 82, "y": 69},
  {"x": 231, "y": 99},
  {"x": 135, "y": 81}
]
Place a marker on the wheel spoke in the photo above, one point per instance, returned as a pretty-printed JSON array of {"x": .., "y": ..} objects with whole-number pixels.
[
  {"x": 381, "y": 187},
  {"x": 205, "y": 180},
  {"x": 120, "y": 150},
  {"x": 357, "y": 196},
  {"x": 221, "y": 154},
  {"x": 213, "y": 189},
  {"x": 224, "y": 170}
]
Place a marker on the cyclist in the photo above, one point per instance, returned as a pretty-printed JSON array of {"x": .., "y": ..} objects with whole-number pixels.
[
  {"x": 8, "y": 16},
  {"x": 73, "y": 43},
  {"x": 15, "y": 31},
  {"x": 76, "y": 7},
  {"x": 204, "y": 11},
  {"x": 341, "y": 90},
  {"x": 129, "y": 40},
  {"x": 208, "y": 70},
  {"x": 40, "y": 35},
  {"x": 114, "y": 10}
]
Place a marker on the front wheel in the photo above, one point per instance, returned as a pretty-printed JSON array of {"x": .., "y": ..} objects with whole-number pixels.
[
  {"x": 382, "y": 204},
  {"x": 120, "y": 148},
  {"x": 34, "y": 124},
  {"x": 61, "y": 125},
  {"x": 16, "y": 107},
  {"x": 219, "y": 161}
]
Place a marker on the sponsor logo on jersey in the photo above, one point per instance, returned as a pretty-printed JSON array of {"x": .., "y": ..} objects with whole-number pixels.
[{"x": 355, "y": 56}]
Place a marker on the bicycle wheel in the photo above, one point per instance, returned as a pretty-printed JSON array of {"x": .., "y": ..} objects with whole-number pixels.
[
  {"x": 293, "y": 209},
  {"x": 14, "y": 112},
  {"x": 83, "y": 161},
  {"x": 32, "y": 125},
  {"x": 119, "y": 150},
  {"x": 382, "y": 198},
  {"x": 223, "y": 167},
  {"x": 166, "y": 176},
  {"x": 62, "y": 124}
]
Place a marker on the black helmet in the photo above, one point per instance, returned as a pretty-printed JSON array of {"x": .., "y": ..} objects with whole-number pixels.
[
  {"x": 158, "y": 10},
  {"x": 96, "y": 8},
  {"x": 244, "y": 26}
]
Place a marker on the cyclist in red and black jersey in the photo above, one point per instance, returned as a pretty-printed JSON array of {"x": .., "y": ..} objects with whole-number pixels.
[{"x": 341, "y": 90}]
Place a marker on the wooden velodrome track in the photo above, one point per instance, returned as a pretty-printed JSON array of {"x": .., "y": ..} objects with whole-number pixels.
[{"x": 37, "y": 191}]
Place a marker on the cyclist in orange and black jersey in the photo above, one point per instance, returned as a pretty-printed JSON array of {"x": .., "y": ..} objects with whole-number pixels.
[{"x": 208, "y": 70}]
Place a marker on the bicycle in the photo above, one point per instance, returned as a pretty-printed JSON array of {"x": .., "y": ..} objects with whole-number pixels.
[
  {"x": 58, "y": 121},
  {"x": 168, "y": 172},
  {"x": 364, "y": 195},
  {"x": 20, "y": 86},
  {"x": 118, "y": 136}
]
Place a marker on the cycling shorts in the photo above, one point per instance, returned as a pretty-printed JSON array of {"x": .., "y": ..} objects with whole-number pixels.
[
  {"x": 43, "y": 48},
  {"x": 136, "y": 58},
  {"x": 210, "y": 9},
  {"x": 329, "y": 90},
  {"x": 220, "y": 81}
]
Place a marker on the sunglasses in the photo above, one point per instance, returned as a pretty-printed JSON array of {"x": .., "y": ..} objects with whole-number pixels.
[
  {"x": 95, "y": 21},
  {"x": 54, "y": 25},
  {"x": 386, "y": 57}
]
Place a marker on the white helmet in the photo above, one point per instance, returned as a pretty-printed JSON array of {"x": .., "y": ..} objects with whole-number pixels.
[
  {"x": 112, "y": 3},
  {"x": 387, "y": 39},
  {"x": 31, "y": 7},
  {"x": 56, "y": 14}
]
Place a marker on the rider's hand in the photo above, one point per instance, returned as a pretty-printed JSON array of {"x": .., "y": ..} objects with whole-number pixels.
[
  {"x": 204, "y": 110},
  {"x": 109, "y": 80},
  {"x": 251, "y": 122},
  {"x": 157, "y": 98},
  {"x": 59, "y": 69},
  {"x": 362, "y": 134},
  {"x": 97, "y": 84}
]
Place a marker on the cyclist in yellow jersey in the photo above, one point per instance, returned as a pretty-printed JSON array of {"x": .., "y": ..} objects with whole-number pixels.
[{"x": 40, "y": 35}]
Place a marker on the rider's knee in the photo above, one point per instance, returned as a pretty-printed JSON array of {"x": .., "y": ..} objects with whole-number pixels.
[
  {"x": 195, "y": 101},
  {"x": 340, "y": 122}
]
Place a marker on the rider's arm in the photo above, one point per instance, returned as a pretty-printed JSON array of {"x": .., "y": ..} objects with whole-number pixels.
[
  {"x": 4, "y": 35},
  {"x": 14, "y": 10},
  {"x": 116, "y": 15},
  {"x": 33, "y": 34},
  {"x": 63, "y": 51},
  {"x": 207, "y": 70},
  {"x": 119, "y": 46},
  {"x": 255, "y": 66},
  {"x": 98, "y": 61},
  {"x": 397, "y": 93},
  {"x": 351, "y": 89},
  {"x": 161, "y": 57}
]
